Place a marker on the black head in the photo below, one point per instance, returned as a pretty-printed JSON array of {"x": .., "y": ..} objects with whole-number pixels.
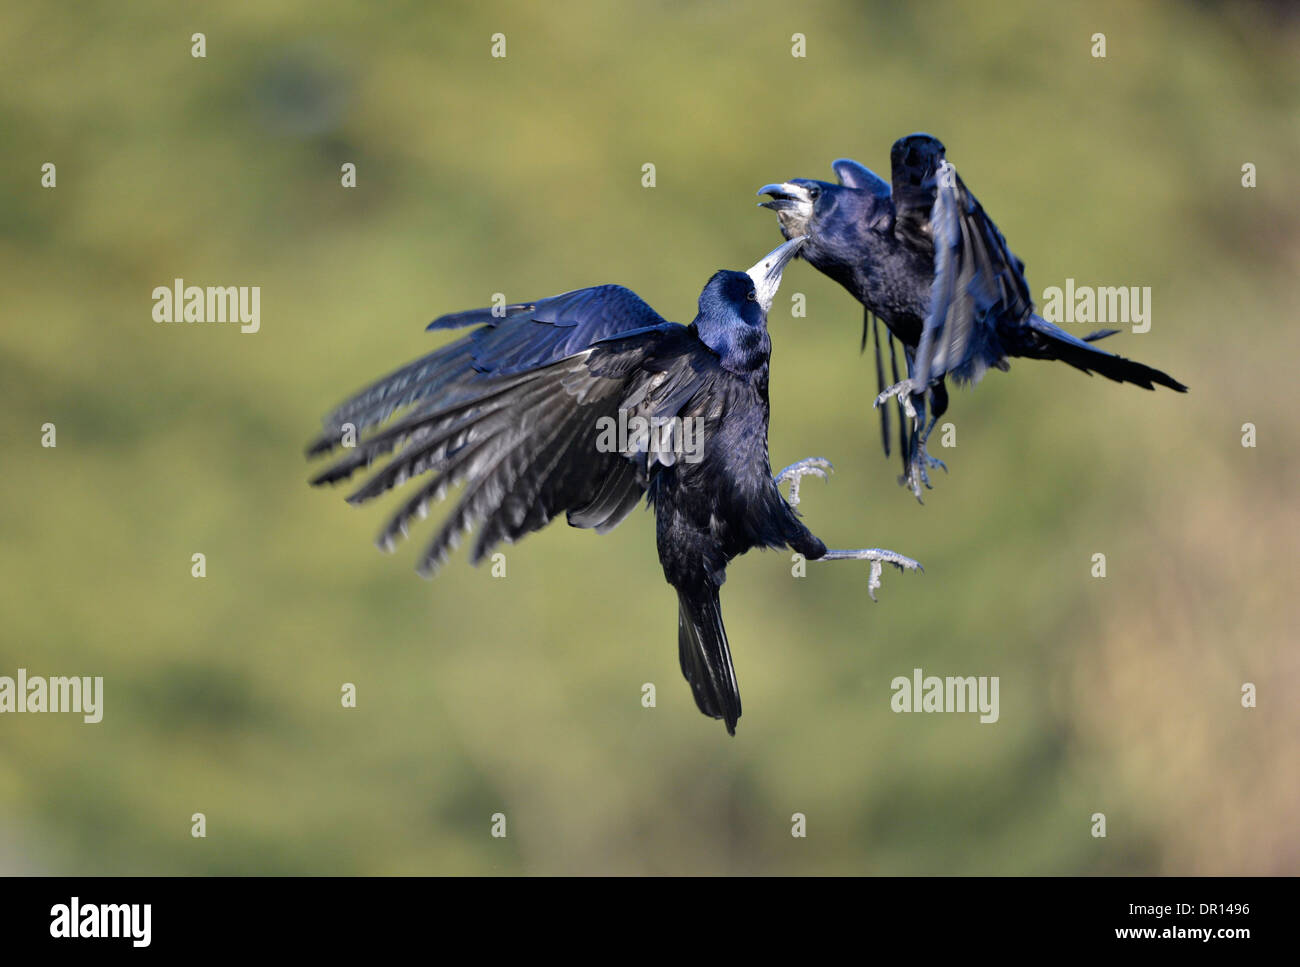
[
  {"x": 732, "y": 320},
  {"x": 826, "y": 211}
]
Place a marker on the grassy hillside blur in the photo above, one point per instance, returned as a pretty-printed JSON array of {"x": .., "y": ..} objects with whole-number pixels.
[{"x": 522, "y": 695}]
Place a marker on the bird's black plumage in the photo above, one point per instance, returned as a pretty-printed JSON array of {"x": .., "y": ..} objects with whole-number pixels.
[
  {"x": 514, "y": 411},
  {"x": 921, "y": 255}
]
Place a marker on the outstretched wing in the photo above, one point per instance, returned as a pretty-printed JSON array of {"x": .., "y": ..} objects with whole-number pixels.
[
  {"x": 978, "y": 285},
  {"x": 851, "y": 174},
  {"x": 510, "y": 340},
  {"x": 913, "y": 162},
  {"x": 529, "y": 443}
]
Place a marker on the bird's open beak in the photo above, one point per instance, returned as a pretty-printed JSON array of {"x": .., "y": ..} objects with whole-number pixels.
[
  {"x": 767, "y": 273},
  {"x": 793, "y": 205},
  {"x": 786, "y": 197}
]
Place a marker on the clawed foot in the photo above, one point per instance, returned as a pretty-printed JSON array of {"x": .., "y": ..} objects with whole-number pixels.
[
  {"x": 811, "y": 466},
  {"x": 904, "y": 392},
  {"x": 921, "y": 463},
  {"x": 918, "y": 471},
  {"x": 878, "y": 558}
]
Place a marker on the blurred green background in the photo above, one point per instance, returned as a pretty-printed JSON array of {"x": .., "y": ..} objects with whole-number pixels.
[{"x": 522, "y": 695}]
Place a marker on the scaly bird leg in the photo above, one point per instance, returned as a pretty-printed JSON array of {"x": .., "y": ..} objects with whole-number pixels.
[
  {"x": 878, "y": 558},
  {"x": 819, "y": 467},
  {"x": 921, "y": 462},
  {"x": 904, "y": 392},
  {"x": 811, "y": 466}
]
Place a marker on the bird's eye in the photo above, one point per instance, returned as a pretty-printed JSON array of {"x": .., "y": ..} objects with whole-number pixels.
[
  {"x": 814, "y": 193},
  {"x": 753, "y": 296}
]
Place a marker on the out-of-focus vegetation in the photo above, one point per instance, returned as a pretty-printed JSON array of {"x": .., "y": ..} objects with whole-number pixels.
[{"x": 522, "y": 695}]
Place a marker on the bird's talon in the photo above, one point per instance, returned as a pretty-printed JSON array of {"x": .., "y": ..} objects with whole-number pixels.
[
  {"x": 903, "y": 391},
  {"x": 934, "y": 461},
  {"x": 918, "y": 472},
  {"x": 810, "y": 466},
  {"x": 878, "y": 557}
]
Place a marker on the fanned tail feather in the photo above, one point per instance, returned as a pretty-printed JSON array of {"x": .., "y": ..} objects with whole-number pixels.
[
  {"x": 1053, "y": 342},
  {"x": 706, "y": 656}
]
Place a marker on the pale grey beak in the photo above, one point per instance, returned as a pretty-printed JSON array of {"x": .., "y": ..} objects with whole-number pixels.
[
  {"x": 767, "y": 273},
  {"x": 786, "y": 197}
]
